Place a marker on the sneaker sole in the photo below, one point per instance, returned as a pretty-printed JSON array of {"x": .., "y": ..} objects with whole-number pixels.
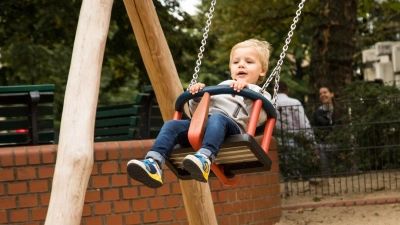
[
  {"x": 194, "y": 170},
  {"x": 136, "y": 172}
]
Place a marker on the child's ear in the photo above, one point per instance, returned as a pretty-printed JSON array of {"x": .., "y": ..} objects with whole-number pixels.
[{"x": 264, "y": 71}]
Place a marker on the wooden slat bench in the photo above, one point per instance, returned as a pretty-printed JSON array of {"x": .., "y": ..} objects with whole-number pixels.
[
  {"x": 26, "y": 115},
  {"x": 140, "y": 120}
]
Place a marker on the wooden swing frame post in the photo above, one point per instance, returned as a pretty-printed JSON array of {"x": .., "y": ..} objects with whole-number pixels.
[
  {"x": 167, "y": 87},
  {"x": 75, "y": 149}
]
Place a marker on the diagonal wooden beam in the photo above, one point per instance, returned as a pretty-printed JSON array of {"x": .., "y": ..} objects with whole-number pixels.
[{"x": 164, "y": 78}]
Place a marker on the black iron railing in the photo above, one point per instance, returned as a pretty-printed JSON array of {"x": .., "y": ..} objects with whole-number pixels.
[{"x": 358, "y": 153}]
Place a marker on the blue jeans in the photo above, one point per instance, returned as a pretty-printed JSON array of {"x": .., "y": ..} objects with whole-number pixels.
[{"x": 175, "y": 132}]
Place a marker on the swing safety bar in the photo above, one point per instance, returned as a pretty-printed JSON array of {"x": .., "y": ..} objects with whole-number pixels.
[{"x": 239, "y": 154}]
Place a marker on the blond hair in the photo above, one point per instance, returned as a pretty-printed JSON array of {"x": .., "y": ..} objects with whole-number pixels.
[{"x": 262, "y": 47}]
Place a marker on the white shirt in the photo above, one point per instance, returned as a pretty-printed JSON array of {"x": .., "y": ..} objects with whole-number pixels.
[{"x": 294, "y": 119}]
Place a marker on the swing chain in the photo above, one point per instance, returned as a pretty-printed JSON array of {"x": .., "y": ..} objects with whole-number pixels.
[
  {"x": 203, "y": 44},
  {"x": 277, "y": 70}
]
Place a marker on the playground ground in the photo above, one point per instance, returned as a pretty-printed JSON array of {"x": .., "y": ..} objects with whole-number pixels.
[{"x": 369, "y": 208}]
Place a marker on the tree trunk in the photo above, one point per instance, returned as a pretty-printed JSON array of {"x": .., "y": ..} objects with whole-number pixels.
[{"x": 333, "y": 46}]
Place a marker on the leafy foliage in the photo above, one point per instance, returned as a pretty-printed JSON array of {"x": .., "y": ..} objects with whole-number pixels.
[{"x": 36, "y": 41}]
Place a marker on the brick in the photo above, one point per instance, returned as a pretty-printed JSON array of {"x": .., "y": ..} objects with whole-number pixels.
[
  {"x": 33, "y": 155},
  {"x": 146, "y": 192},
  {"x": 38, "y": 186},
  {"x": 176, "y": 189},
  {"x": 222, "y": 197},
  {"x": 137, "y": 149},
  {"x": 109, "y": 168},
  {"x": 8, "y": 203},
  {"x": 87, "y": 210},
  {"x": 48, "y": 154},
  {"x": 218, "y": 208},
  {"x": 26, "y": 173},
  {"x": 125, "y": 150},
  {"x": 28, "y": 201},
  {"x": 360, "y": 202},
  {"x": 150, "y": 217},
  {"x": 216, "y": 185},
  {"x": 100, "y": 153},
  {"x": 381, "y": 201},
  {"x": 164, "y": 190},
  {"x": 173, "y": 201},
  {"x": 114, "y": 219},
  {"x": 214, "y": 197},
  {"x": 6, "y": 157},
  {"x": 100, "y": 181},
  {"x": 2, "y": 189},
  {"x": 169, "y": 176},
  {"x": 236, "y": 207},
  {"x": 122, "y": 165},
  {"x": 139, "y": 205},
  {"x": 350, "y": 203},
  {"x": 111, "y": 194},
  {"x": 6, "y": 175},
  {"x": 46, "y": 172},
  {"x": 39, "y": 214},
  {"x": 113, "y": 150},
  {"x": 3, "y": 217},
  {"x": 227, "y": 209},
  {"x": 121, "y": 206},
  {"x": 132, "y": 219},
  {"x": 95, "y": 169},
  {"x": 92, "y": 196},
  {"x": 166, "y": 215},
  {"x": 93, "y": 220},
  {"x": 388, "y": 200},
  {"x": 19, "y": 215},
  {"x": 20, "y": 156},
  {"x": 17, "y": 188},
  {"x": 119, "y": 180},
  {"x": 130, "y": 193},
  {"x": 44, "y": 199},
  {"x": 102, "y": 208},
  {"x": 180, "y": 214},
  {"x": 157, "y": 203}
]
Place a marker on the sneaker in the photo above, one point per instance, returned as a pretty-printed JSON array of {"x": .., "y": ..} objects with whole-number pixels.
[
  {"x": 198, "y": 165},
  {"x": 145, "y": 171}
]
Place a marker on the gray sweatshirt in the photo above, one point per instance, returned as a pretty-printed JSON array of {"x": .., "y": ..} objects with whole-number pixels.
[{"x": 227, "y": 105}]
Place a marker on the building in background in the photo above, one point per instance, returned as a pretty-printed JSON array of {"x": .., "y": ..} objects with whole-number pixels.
[{"x": 382, "y": 62}]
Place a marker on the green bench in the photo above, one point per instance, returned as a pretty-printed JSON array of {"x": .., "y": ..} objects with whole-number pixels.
[
  {"x": 140, "y": 120},
  {"x": 26, "y": 115}
]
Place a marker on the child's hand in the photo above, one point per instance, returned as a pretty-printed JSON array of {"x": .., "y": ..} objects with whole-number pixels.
[
  {"x": 239, "y": 85},
  {"x": 196, "y": 87}
]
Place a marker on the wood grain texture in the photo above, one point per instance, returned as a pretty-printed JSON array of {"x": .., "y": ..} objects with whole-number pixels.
[
  {"x": 167, "y": 87},
  {"x": 75, "y": 150}
]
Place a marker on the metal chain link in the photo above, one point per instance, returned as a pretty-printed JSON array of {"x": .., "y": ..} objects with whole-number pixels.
[
  {"x": 277, "y": 70},
  {"x": 203, "y": 44}
]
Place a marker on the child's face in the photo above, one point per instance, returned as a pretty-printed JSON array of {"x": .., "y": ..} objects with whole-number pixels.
[
  {"x": 325, "y": 95},
  {"x": 246, "y": 65}
]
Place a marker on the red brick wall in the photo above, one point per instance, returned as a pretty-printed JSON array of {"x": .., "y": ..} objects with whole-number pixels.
[{"x": 113, "y": 198}]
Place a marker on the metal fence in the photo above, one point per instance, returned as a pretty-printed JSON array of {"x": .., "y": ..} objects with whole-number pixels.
[{"x": 359, "y": 153}]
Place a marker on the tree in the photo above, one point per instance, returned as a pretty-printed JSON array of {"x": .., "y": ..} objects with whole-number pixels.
[
  {"x": 332, "y": 54},
  {"x": 36, "y": 40},
  {"x": 236, "y": 21}
]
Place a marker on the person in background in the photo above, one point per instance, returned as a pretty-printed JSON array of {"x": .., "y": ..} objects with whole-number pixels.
[
  {"x": 291, "y": 117},
  {"x": 324, "y": 118},
  {"x": 296, "y": 135}
]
